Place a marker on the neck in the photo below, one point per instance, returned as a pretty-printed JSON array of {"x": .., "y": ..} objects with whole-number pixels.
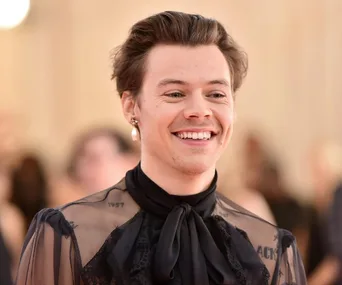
[{"x": 174, "y": 181}]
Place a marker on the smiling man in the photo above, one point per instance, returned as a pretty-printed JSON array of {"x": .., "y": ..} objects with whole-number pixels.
[
  {"x": 177, "y": 75},
  {"x": 185, "y": 115}
]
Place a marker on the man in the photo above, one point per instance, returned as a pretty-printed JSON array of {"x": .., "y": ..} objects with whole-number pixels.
[{"x": 177, "y": 75}]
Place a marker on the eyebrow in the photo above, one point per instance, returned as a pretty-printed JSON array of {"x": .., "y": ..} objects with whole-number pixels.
[{"x": 169, "y": 81}]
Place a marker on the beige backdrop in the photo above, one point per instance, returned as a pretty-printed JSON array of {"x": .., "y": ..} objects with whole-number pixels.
[{"x": 55, "y": 70}]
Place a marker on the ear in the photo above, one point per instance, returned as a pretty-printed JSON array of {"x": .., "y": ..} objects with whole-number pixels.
[{"x": 129, "y": 105}]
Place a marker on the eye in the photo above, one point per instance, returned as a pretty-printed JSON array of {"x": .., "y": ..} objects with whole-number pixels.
[
  {"x": 175, "y": 95},
  {"x": 217, "y": 95}
]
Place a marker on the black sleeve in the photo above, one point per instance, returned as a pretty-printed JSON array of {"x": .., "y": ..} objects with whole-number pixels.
[{"x": 50, "y": 253}]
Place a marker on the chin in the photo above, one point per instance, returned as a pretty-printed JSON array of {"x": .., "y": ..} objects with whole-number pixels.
[{"x": 194, "y": 167}]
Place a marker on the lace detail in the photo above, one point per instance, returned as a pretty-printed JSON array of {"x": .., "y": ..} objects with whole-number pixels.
[
  {"x": 242, "y": 274},
  {"x": 143, "y": 254},
  {"x": 265, "y": 275},
  {"x": 141, "y": 261},
  {"x": 97, "y": 271},
  {"x": 231, "y": 256}
]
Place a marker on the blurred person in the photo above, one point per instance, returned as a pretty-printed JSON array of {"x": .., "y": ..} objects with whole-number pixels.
[
  {"x": 335, "y": 229},
  {"x": 255, "y": 158},
  {"x": 9, "y": 140},
  {"x": 5, "y": 262},
  {"x": 11, "y": 220},
  {"x": 30, "y": 187},
  {"x": 12, "y": 227},
  {"x": 287, "y": 211},
  {"x": 100, "y": 158},
  {"x": 323, "y": 263},
  {"x": 262, "y": 173},
  {"x": 164, "y": 223},
  {"x": 232, "y": 182},
  {"x": 232, "y": 185}
]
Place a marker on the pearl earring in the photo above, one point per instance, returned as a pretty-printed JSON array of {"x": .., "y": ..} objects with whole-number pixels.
[{"x": 135, "y": 133}]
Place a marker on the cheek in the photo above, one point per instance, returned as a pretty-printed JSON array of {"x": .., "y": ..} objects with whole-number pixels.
[
  {"x": 158, "y": 120},
  {"x": 226, "y": 118},
  {"x": 230, "y": 119}
]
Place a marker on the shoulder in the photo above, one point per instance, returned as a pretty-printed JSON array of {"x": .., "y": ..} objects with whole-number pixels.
[
  {"x": 102, "y": 211},
  {"x": 90, "y": 220},
  {"x": 266, "y": 238},
  {"x": 254, "y": 202},
  {"x": 261, "y": 232},
  {"x": 246, "y": 206},
  {"x": 112, "y": 204}
]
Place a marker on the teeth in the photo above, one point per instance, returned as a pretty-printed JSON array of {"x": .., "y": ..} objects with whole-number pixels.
[{"x": 195, "y": 135}]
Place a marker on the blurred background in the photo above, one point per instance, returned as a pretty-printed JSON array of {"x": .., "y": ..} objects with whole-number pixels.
[{"x": 63, "y": 135}]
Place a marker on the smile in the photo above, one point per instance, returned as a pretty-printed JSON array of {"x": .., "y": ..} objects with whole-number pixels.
[{"x": 206, "y": 135}]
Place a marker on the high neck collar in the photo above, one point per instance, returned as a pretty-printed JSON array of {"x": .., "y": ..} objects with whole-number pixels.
[{"x": 152, "y": 198}]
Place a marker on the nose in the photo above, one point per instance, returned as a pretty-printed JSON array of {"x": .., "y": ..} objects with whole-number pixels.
[{"x": 197, "y": 107}]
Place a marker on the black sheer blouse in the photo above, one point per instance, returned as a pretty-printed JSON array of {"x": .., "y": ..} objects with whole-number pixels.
[{"x": 136, "y": 233}]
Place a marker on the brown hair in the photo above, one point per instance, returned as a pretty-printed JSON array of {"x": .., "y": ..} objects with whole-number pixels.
[{"x": 174, "y": 28}]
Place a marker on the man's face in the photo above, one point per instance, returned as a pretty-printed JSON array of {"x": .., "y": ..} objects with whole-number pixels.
[{"x": 185, "y": 108}]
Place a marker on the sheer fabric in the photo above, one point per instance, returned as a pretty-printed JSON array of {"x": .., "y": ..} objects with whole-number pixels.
[{"x": 135, "y": 233}]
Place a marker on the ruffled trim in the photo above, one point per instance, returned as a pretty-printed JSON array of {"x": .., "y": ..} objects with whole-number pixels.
[{"x": 245, "y": 263}]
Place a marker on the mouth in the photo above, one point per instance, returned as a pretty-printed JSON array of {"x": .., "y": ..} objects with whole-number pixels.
[{"x": 195, "y": 136}]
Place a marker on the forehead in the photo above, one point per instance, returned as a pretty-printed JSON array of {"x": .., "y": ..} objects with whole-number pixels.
[
  {"x": 190, "y": 64},
  {"x": 99, "y": 143}
]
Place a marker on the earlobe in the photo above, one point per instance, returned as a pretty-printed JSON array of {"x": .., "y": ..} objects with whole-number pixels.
[{"x": 131, "y": 112}]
